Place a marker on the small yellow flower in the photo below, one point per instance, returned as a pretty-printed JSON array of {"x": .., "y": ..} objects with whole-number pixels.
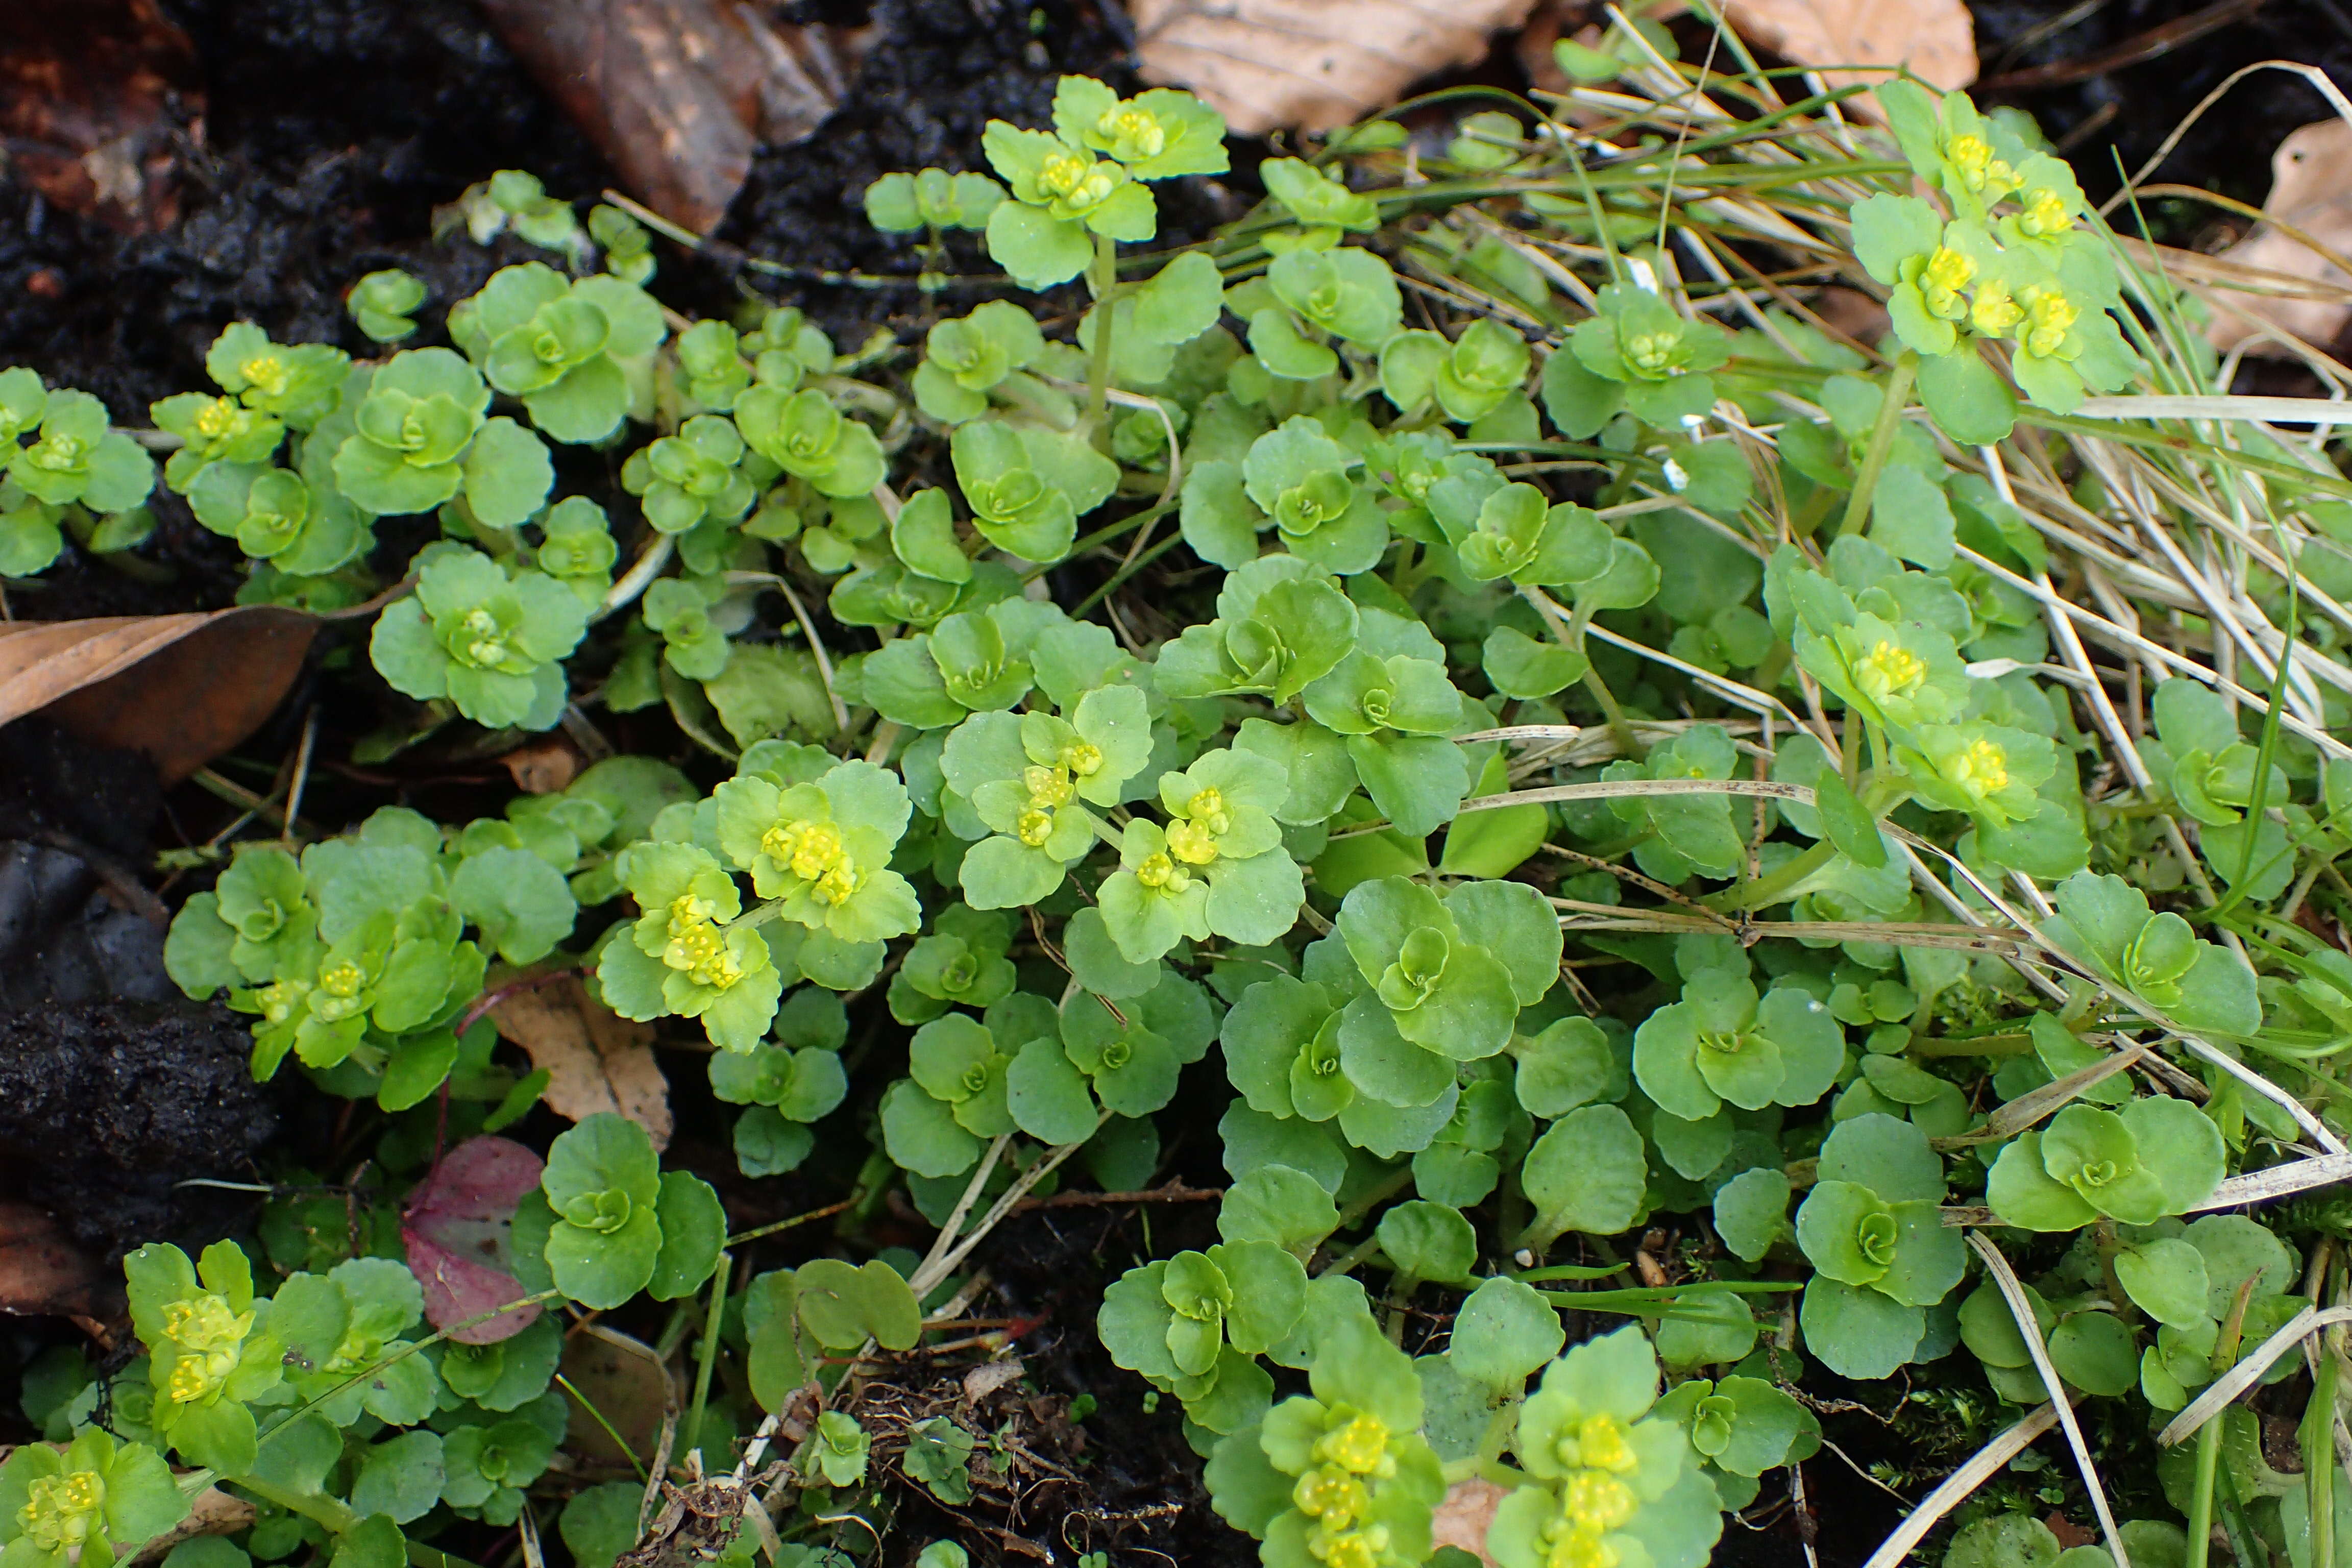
[
  {"x": 1651, "y": 354},
  {"x": 1596, "y": 1501},
  {"x": 1161, "y": 872},
  {"x": 218, "y": 418},
  {"x": 1940, "y": 281},
  {"x": 1993, "y": 311},
  {"x": 1048, "y": 787},
  {"x": 1890, "y": 669},
  {"x": 1331, "y": 1496},
  {"x": 2050, "y": 317},
  {"x": 697, "y": 947},
  {"x": 1601, "y": 1439},
  {"x": 1034, "y": 828},
  {"x": 1982, "y": 769},
  {"x": 1971, "y": 157},
  {"x": 2044, "y": 215},
  {"x": 209, "y": 1338},
  {"x": 1133, "y": 129},
  {"x": 1081, "y": 757},
  {"x": 1359, "y": 1445},
  {"x": 1574, "y": 1548},
  {"x": 60, "y": 1512},
  {"x": 1191, "y": 842},
  {"x": 266, "y": 372}
]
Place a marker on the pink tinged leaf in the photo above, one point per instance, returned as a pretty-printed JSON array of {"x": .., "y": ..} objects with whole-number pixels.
[{"x": 458, "y": 1229}]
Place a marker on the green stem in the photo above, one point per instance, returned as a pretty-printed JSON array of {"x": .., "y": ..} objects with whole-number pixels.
[
  {"x": 2320, "y": 1458},
  {"x": 331, "y": 1512},
  {"x": 706, "y": 1352},
  {"x": 1882, "y": 442},
  {"x": 2200, "y": 1499},
  {"x": 610, "y": 1430},
  {"x": 1102, "y": 278},
  {"x": 1771, "y": 886}
]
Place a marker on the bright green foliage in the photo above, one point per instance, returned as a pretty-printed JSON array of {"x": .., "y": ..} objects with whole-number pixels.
[
  {"x": 1723, "y": 1042},
  {"x": 961, "y": 960},
  {"x": 686, "y": 953},
  {"x": 627, "y": 244},
  {"x": 808, "y": 438},
  {"x": 932, "y": 199},
  {"x": 514, "y": 199},
  {"x": 2105, "y": 922},
  {"x": 566, "y": 348},
  {"x": 410, "y": 432},
  {"x": 58, "y": 451},
  {"x": 966, "y": 358},
  {"x": 1658, "y": 357},
  {"x": 1341, "y": 1475},
  {"x": 382, "y": 303},
  {"x": 1063, "y": 194},
  {"x": 490, "y": 643},
  {"x": 2158, "y": 1157},
  {"x": 837, "y": 1449},
  {"x": 620, "y": 1223},
  {"x": 338, "y": 1328},
  {"x": 1609, "y": 1476},
  {"x": 96, "y": 1500},
  {"x": 1280, "y": 624},
  {"x": 691, "y": 476},
  {"x": 208, "y": 1350},
  {"x": 1030, "y": 780},
  {"x": 1190, "y": 1324},
  {"x": 1218, "y": 866}
]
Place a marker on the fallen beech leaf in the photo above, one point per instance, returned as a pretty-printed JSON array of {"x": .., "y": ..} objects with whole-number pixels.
[
  {"x": 1461, "y": 1519},
  {"x": 991, "y": 1376},
  {"x": 596, "y": 1059},
  {"x": 458, "y": 1229},
  {"x": 1310, "y": 64},
  {"x": 2311, "y": 188},
  {"x": 542, "y": 767},
  {"x": 91, "y": 95},
  {"x": 226, "y": 672},
  {"x": 42, "y": 1274},
  {"x": 1935, "y": 38},
  {"x": 677, "y": 93},
  {"x": 214, "y": 1512},
  {"x": 627, "y": 1384}
]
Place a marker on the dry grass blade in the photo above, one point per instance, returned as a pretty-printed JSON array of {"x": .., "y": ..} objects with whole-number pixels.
[
  {"x": 2250, "y": 1368},
  {"x": 2278, "y": 1181},
  {"x": 1955, "y": 1489},
  {"x": 2013, "y": 1292}
]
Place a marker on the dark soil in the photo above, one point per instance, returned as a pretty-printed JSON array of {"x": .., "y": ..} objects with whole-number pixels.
[{"x": 105, "y": 1107}]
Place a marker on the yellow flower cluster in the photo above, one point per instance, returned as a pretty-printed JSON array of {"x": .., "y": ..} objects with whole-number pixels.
[
  {"x": 1981, "y": 769},
  {"x": 814, "y": 852},
  {"x": 1076, "y": 182},
  {"x": 209, "y": 1338},
  {"x": 1333, "y": 1493},
  {"x": 1593, "y": 1501},
  {"x": 697, "y": 946},
  {"x": 1971, "y": 157},
  {"x": 1890, "y": 669},
  {"x": 60, "y": 1512}
]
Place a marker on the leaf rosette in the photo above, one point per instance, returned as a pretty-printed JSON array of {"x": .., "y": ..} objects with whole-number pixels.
[
  {"x": 687, "y": 953},
  {"x": 1722, "y": 1042}
]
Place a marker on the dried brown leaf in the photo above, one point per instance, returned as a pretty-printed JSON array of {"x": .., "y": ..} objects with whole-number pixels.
[
  {"x": 43, "y": 1274},
  {"x": 625, "y": 1383},
  {"x": 223, "y": 674},
  {"x": 1461, "y": 1519},
  {"x": 1935, "y": 38},
  {"x": 677, "y": 93},
  {"x": 596, "y": 1059},
  {"x": 2311, "y": 189},
  {"x": 214, "y": 1512},
  {"x": 544, "y": 766},
  {"x": 1310, "y": 64}
]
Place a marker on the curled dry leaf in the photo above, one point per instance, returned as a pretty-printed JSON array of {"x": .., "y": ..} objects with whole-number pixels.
[
  {"x": 596, "y": 1059},
  {"x": 43, "y": 1274},
  {"x": 220, "y": 676},
  {"x": 625, "y": 1383},
  {"x": 543, "y": 767},
  {"x": 991, "y": 1376},
  {"x": 1308, "y": 64},
  {"x": 92, "y": 96},
  {"x": 1935, "y": 38},
  {"x": 1461, "y": 1519},
  {"x": 679, "y": 93},
  {"x": 213, "y": 1512},
  {"x": 2311, "y": 190},
  {"x": 457, "y": 1229}
]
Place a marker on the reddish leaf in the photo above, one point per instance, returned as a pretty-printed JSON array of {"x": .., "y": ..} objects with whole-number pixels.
[{"x": 457, "y": 1229}]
